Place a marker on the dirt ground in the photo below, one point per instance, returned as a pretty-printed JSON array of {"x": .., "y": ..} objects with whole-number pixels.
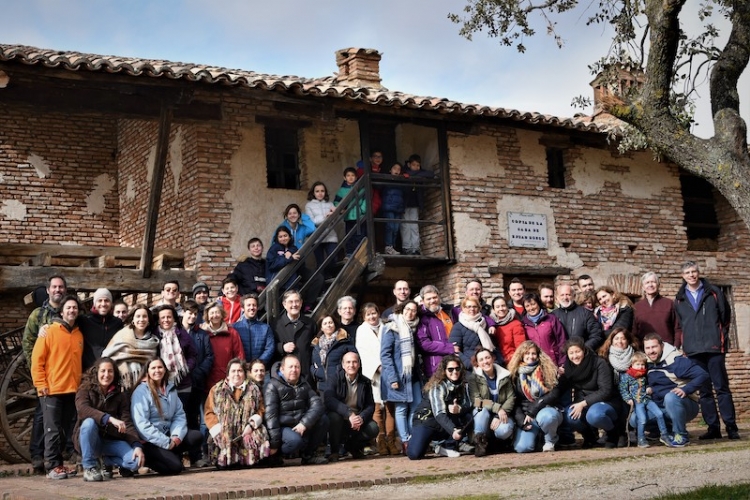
[
  {"x": 638, "y": 477},
  {"x": 627, "y": 473}
]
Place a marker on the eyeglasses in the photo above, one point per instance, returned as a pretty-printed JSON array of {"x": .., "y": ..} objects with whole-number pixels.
[{"x": 452, "y": 369}]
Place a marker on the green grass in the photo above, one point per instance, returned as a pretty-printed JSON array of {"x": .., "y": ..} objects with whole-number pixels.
[{"x": 734, "y": 492}]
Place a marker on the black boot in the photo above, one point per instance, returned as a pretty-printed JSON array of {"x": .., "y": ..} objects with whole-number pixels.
[{"x": 480, "y": 444}]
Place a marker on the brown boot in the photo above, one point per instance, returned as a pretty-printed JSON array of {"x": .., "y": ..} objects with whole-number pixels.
[
  {"x": 394, "y": 448},
  {"x": 480, "y": 444},
  {"x": 383, "y": 446}
]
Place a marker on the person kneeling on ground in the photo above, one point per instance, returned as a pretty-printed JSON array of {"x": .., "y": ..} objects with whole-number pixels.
[
  {"x": 444, "y": 413},
  {"x": 104, "y": 429},
  {"x": 350, "y": 406},
  {"x": 491, "y": 390},
  {"x": 295, "y": 415},
  {"x": 534, "y": 376},
  {"x": 160, "y": 420}
]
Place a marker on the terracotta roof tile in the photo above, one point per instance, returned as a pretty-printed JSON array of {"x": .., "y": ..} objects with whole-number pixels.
[{"x": 318, "y": 87}]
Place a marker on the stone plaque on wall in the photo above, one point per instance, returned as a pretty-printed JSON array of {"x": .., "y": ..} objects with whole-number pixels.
[{"x": 527, "y": 230}]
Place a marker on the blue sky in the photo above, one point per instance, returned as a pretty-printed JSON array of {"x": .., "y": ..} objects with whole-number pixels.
[{"x": 422, "y": 51}]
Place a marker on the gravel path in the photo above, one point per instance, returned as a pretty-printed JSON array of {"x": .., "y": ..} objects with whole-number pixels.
[{"x": 623, "y": 478}]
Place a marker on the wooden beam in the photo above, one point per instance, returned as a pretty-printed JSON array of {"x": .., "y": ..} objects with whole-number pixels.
[
  {"x": 89, "y": 279},
  {"x": 160, "y": 165},
  {"x": 80, "y": 251},
  {"x": 531, "y": 271},
  {"x": 105, "y": 101}
]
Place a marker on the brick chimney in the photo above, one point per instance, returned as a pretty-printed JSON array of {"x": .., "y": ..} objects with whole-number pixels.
[
  {"x": 613, "y": 83},
  {"x": 358, "y": 68}
]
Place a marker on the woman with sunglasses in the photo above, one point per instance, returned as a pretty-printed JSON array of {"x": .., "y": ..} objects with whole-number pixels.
[{"x": 444, "y": 414}]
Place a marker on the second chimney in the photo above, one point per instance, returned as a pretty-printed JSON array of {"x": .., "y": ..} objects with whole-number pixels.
[{"x": 359, "y": 68}]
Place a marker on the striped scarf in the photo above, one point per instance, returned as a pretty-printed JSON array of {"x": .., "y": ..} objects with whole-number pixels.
[{"x": 532, "y": 381}]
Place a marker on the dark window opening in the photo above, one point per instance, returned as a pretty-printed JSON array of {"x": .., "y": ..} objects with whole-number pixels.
[
  {"x": 555, "y": 168},
  {"x": 382, "y": 137},
  {"x": 282, "y": 158},
  {"x": 701, "y": 223}
]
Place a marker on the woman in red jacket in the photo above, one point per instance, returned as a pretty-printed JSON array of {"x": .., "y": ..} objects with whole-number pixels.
[{"x": 509, "y": 330}]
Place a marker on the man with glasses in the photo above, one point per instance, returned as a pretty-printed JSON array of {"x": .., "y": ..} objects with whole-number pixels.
[{"x": 169, "y": 295}]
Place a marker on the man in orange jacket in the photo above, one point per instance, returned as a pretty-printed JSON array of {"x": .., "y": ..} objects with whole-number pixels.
[{"x": 56, "y": 365}]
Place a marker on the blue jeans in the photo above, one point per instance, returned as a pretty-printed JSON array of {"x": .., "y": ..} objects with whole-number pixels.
[
  {"x": 677, "y": 410},
  {"x": 642, "y": 413},
  {"x": 405, "y": 411},
  {"x": 597, "y": 416},
  {"x": 391, "y": 228},
  {"x": 421, "y": 438},
  {"x": 112, "y": 451},
  {"x": 306, "y": 444},
  {"x": 482, "y": 422},
  {"x": 547, "y": 421}
]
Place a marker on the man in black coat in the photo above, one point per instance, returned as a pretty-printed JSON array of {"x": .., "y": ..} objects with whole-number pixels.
[
  {"x": 295, "y": 414},
  {"x": 350, "y": 407},
  {"x": 295, "y": 332},
  {"x": 98, "y": 327},
  {"x": 576, "y": 320},
  {"x": 705, "y": 316}
]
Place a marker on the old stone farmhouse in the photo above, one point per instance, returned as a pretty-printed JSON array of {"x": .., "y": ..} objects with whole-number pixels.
[{"x": 80, "y": 146}]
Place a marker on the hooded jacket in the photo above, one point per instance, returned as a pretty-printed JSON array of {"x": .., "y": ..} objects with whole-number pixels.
[
  {"x": 305, "y": 227},
  {"x": 674, "y": 370},
  {"x": 250, "y": 275},
  {"x": 707, "y": 329},
  {"x": 479, "y": 389},
  {"x": 289, "y": 404}
]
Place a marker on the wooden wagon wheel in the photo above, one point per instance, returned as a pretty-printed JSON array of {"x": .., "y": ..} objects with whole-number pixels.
[{"x": 17, "y": 414}]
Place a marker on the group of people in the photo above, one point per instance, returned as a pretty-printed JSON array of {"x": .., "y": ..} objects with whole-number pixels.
[{"x": 206, "y": 380}]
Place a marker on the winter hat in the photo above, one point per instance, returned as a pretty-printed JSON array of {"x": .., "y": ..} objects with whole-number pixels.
[
  {"x": 102, "y": 293},
  {"x": 200, "y": 286}
]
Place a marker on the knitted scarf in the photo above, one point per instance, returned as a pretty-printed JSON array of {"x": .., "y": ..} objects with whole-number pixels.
[
  {"x": 584, "y": 371},
  {"x": 171, "y": 353},
  {"x": 531, "y": 379},
  {"x": 478, "y": 325},
  {"x": 504, "y": 321},
  {"x": 130, "y": 354},
  {"x": 620, "y": 358},
  {"x": 608, "y": 315},
  {"x": 325, "y": 342},
  {"x": 234, "y": 406},
  {"x": 406, "y": 331},
  {"x": 636, "y": 372}
]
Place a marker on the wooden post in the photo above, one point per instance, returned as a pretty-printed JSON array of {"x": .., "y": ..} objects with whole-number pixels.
[
  {"x": 445, "y": 189},
  {"x": 154, "y": 201}
]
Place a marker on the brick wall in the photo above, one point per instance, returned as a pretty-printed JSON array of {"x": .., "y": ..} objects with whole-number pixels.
[{"x": 44, "y": 203}]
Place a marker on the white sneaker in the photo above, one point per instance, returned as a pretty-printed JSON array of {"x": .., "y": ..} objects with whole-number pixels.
[
  {"x": 548, "y": 447},
  {"x": 445, "y": 452},
  {"x": 392, "y": 251}
]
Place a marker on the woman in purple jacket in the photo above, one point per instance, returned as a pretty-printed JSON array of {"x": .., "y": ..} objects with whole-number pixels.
[{"x": 545, "y": 330}]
